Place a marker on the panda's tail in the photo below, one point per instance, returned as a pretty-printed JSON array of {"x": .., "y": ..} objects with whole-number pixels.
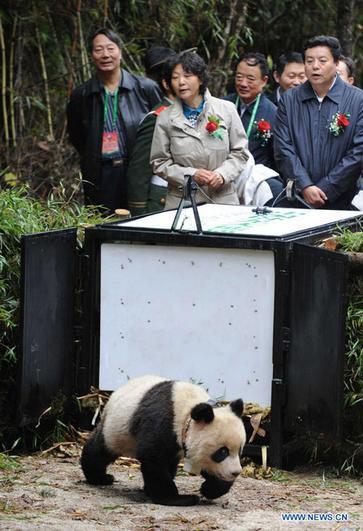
[{"x": 96, "y": 457}]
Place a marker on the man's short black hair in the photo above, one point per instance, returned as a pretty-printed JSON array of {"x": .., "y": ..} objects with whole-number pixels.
[
  {"x": 155, "y": 60},
  {"x": 167, "y": 72},
  {"x": 191, "y": 63},
  {"x": 109, "y": 34},
  {"x": 350, "y": 65},
  {"x": 325, "y": 40},
  {"x": 255, "y": 59},
  {"x": 286, "y": 59}
]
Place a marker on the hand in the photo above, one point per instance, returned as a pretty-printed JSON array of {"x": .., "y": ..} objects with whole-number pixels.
[
  {"x": 314, "y": 196},
  {"x": 216, "y": 180},
  {"x": 202, "y": 177}
]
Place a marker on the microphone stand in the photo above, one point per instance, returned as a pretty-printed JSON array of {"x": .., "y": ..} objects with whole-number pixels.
[{"x": 190, "y": 189}]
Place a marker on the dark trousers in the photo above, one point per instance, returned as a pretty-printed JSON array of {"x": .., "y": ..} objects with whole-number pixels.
[{"x": 112, "y": 192}]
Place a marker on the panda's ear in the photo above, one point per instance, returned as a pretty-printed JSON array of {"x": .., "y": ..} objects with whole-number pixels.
[
  {"x": 237, "y": 407},
  {"x": 202, "y": 412}
]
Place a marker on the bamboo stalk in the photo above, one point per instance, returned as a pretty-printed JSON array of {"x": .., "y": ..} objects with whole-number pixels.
[
  {"x": 46, "y": 86},
  {"x": 11, "y": 82},
  {"x": 19, "y": 104},
  {"x": 72, "y": 51},
  {"x": 235, "y": 21},
  {"x": 72, "y": 75},
  {"x": 105, "y": 12},
  {"x": 3, "y": 85},
  {"x": 84, "y": 56}
]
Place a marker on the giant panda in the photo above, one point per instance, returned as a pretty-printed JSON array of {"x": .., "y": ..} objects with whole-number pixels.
[{"x": 160, "y": 421}]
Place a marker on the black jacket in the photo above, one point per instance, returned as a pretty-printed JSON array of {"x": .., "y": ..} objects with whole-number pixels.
[
  {"x": 263, "y": 154},
  {"x": 137, "y": 96},
  {"x": 274, "y": 96}
]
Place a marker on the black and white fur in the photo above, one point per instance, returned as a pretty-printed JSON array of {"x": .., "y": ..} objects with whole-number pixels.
[{"x": 159, "y": 422}]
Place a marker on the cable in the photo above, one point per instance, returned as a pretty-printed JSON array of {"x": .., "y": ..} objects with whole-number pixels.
[
  {"x": 294, "y": 197},
  {"x": 204, "y": 193},
  {"x": 279, "y": 196}
]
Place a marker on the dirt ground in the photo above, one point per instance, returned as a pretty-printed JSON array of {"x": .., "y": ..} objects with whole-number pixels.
[{"x": 49, "y": 492}]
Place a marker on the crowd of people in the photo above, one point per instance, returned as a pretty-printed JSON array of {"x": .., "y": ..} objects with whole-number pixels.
[{"x": 140, "y": 137}]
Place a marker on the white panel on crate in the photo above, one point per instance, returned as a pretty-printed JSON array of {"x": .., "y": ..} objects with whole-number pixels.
[
  {"x": 187, "y": 313},
  {"x": 232, "y": 219}
]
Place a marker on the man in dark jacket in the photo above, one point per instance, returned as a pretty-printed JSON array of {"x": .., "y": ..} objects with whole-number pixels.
[
  {"x": 346, "y": 69},
  {"x": 257, "y": 112},
  {"x": 253, "y": 105},
  {"x": 319, "y": 130},
  {"x": 289, "y": 73},
  {"x": 103, "y": 116}
]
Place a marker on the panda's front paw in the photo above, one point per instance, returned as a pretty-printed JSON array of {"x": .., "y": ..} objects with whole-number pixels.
[
  {"x": 181, "y": 500},
  {"x": 101, "y": 479},
  {"x": 187, "y": 499},
  {"x": 214, "y": 487}
]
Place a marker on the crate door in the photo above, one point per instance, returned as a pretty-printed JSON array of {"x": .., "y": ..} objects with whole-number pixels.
[
  {"x": 47, "y": 307},
  {"x": 315, "y": 362}
]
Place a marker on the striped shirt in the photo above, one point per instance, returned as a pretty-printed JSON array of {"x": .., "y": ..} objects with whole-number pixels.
[{"x": 119, "y": 126}]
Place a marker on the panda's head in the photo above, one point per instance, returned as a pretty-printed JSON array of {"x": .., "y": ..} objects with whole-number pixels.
[{"x": 213, "y": 444}]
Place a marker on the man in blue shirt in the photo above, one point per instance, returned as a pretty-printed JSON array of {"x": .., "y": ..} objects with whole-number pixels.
[{"x": 319, "y": 130}]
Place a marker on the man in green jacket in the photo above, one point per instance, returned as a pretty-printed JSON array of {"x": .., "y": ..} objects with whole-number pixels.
[{"x": 146, "y": 191}]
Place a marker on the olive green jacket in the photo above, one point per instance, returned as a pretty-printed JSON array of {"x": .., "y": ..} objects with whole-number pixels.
[{"x": 143, "y": 196}]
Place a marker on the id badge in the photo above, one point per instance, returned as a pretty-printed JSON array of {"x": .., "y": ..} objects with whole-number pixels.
[{"x": 110, "y": 144}]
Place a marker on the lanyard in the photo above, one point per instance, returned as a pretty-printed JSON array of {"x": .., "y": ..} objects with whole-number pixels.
[
  {"x": 252, "y": 119},
  {"x": 105, "y": 107}
]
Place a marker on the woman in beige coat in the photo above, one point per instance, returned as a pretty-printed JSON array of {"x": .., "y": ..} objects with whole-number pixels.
[{"x": 198, "y": 135}]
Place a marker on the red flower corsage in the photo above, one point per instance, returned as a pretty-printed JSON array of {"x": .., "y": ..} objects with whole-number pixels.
[
  {"x": 340, "y": 120},
  {"x": 263, "y": 131},
  {"x": 213, "y": 126}
]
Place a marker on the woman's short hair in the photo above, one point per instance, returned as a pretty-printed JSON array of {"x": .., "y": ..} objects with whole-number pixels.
[{"x": 191, "y": 63}]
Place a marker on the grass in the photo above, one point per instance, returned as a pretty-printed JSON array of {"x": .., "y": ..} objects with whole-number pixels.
[
  {"x": 350, "y": 241},
  {"x": 281, "y": 476},
  {"x": 6, "y": 506},
  {"x": 9, "y": 463},
  {"x": 21, "y": 213}
]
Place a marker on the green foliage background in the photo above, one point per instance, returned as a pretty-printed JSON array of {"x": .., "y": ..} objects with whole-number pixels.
[{"x": 44, "y": 55}]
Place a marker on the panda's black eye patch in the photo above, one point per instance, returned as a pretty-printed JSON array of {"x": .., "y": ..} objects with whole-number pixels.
[{"x": 220, "y": 454}]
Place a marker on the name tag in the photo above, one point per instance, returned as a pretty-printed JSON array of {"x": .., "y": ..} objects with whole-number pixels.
[{"x": 110, "y": 144}]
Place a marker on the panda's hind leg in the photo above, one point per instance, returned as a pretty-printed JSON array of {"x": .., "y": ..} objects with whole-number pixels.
[{"x": 96, "y": 457}]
